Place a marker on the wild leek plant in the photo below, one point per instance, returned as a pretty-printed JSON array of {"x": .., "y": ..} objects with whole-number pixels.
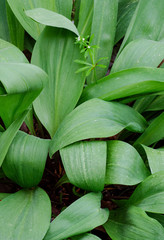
[{"x": 102, "y": 112}]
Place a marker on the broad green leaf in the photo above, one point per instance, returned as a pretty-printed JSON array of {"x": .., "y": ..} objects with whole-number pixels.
[
  {"x": 157, "y": 104},
  {"x": 25, "y": 215},
  {"x": 16, "y": 30},
  {"x": 22, "y": 83},
  {"x": 34, "y": 29},
  {"x": 95, "y": 119},
  {"x": 85, "y": 236},
  {"x": 126, "y": 10},
  {"x": 26, "y": 159},
  {"x": 7, "y": 136},
  {"x": 103, "y": 28},
  {"x": 139, "y": 53},
  {"x": 4, "y": 30},
  {"x": 143, "y": 103},
  {"x": 131, "y": 82},
  {"x": 158, "y": 217},
  {"x": 4, "y": 195},
  {"x": 11, "y": 54},
  {"x": 155, "y": 158},
  {"x": 81, "y": 216},
  {"x": 52, "y": 19},
  {"x": 124, "y": 164},
  {"x": 153, "y": 133},
  {"x": 85, "y": 164},
  {"x": 147, "y": 15},
  {"x": 149, "y": 195},
  {"x": 64, "y": 88},
  {"x": 85, "y": 17},
  {"x": 133, "y": 224}
]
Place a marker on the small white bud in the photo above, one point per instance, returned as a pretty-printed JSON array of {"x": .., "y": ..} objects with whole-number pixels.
[
  {"x": 89, "y": 47},
  {"x": 83, "y": 39},
  {"x": 78, "y": 38}
]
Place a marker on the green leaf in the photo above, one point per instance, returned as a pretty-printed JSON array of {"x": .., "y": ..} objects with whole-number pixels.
[
  {"x": 153, "y": 133},
  {"x": 4, "y": 195},
  {"x": 34, "y": 29},
  {"x": 155, "y": 158},
  {"x": 103, "y": 28},
  {"x": 95, "y": 119},
  {"x": 85, "y": 236},
  {"x": 147, "y": 15},
  {"x": 52, "y": 19},
  {"x": 64, "y": 88},
  {"x": 4, "y": 30},
  {"x": 157, "y": 104},
  {"x": 85, "y": 164},
  {"x": 158, "y": 217},
  {"x": 139, "y": 53},
  {"x": 26, "y": 159},
  {"x": 149, "y": 195},
  {"x": 25, "y": 215},
  {"x": 133, "y": 224},
  {"x": 126, "y": 10},
  {"x": 132, "y": 82},
  {"x": 81, "y": 216},
  {"x": 7, "y": 136},
  {"x": 15, "y": 29},
  {"x": 124, "y": 164},
  {"x": 85, "y": 17},
  {"x": 22, "y": 83},
  {"x": 11, "y": 54}
]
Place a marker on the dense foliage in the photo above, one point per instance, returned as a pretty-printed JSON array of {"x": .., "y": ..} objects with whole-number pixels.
[{"x": 86, "y": 77}]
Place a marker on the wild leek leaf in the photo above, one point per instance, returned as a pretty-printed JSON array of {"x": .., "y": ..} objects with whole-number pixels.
[
  {"x": 22, "y": 83},
  {"x": 81, "y": 216},
  {"x": 103, "y": 28},
  {"x": 34, "y": 29},
  {"x": 52, "y": 19},
  {"x": 25, "y": 215},
  {"x": 132, "y": 223},
  {"x": 123, "y": 160},
  {"x": 11, "y": 54},
  {"x": 64, "y": 88},
  {"x": 132, "y": 82},
  {"x": 26, "y": 159},
  {"x": 155, "y": 158},
  {"x": 139, "y": 53},
  {"x": 4, "y": 30},
  {"x": 147, "y": 15},
  {"x": 95, "y": 119},
  {"x": 7, "y": 136},
  {"x": 149, "y": 195},
  {"x": 126, "y": 10},
  {"x": 85, "y": 164},
  {"x": 85, "y": 236},
  {"x": 153, "y": 133}
]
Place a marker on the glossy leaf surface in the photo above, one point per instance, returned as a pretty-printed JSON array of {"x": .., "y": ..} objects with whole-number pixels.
[
  {"x": 133, "y": 224},
  {"x": 139, "y": 53},
  {"x": 7, "y": 136},
  {"x": 34, "y": 29},
  {"x": 103, "y": 28},
  {"x": 153, "y": 133},
  {"x": 149, "y": 195},
  {"x": 22, "y": 83},
  {"x": 155, "y": 158},
  {"x": 85, "y": 17},
  {"x": 95, "y": 119},
  {"x": 4, "y": 30},
  {"x": 25, "y": 215},
  {"x": 123, "y": 160},
  {"x": 85, "y": 164},
  {"x": 126, "y": 83},
  {"x": 147, "y": 15},
  {"x": 26, "y": 159},
  {"x": 85, "y": 236},
  {"x": 11, "y": 54},
  {"x": 81, "y": 216},
  {"x": 126, "y": 10},
  {"x": 50, "y": 18},
  {"x": 55, "y": 53}
]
